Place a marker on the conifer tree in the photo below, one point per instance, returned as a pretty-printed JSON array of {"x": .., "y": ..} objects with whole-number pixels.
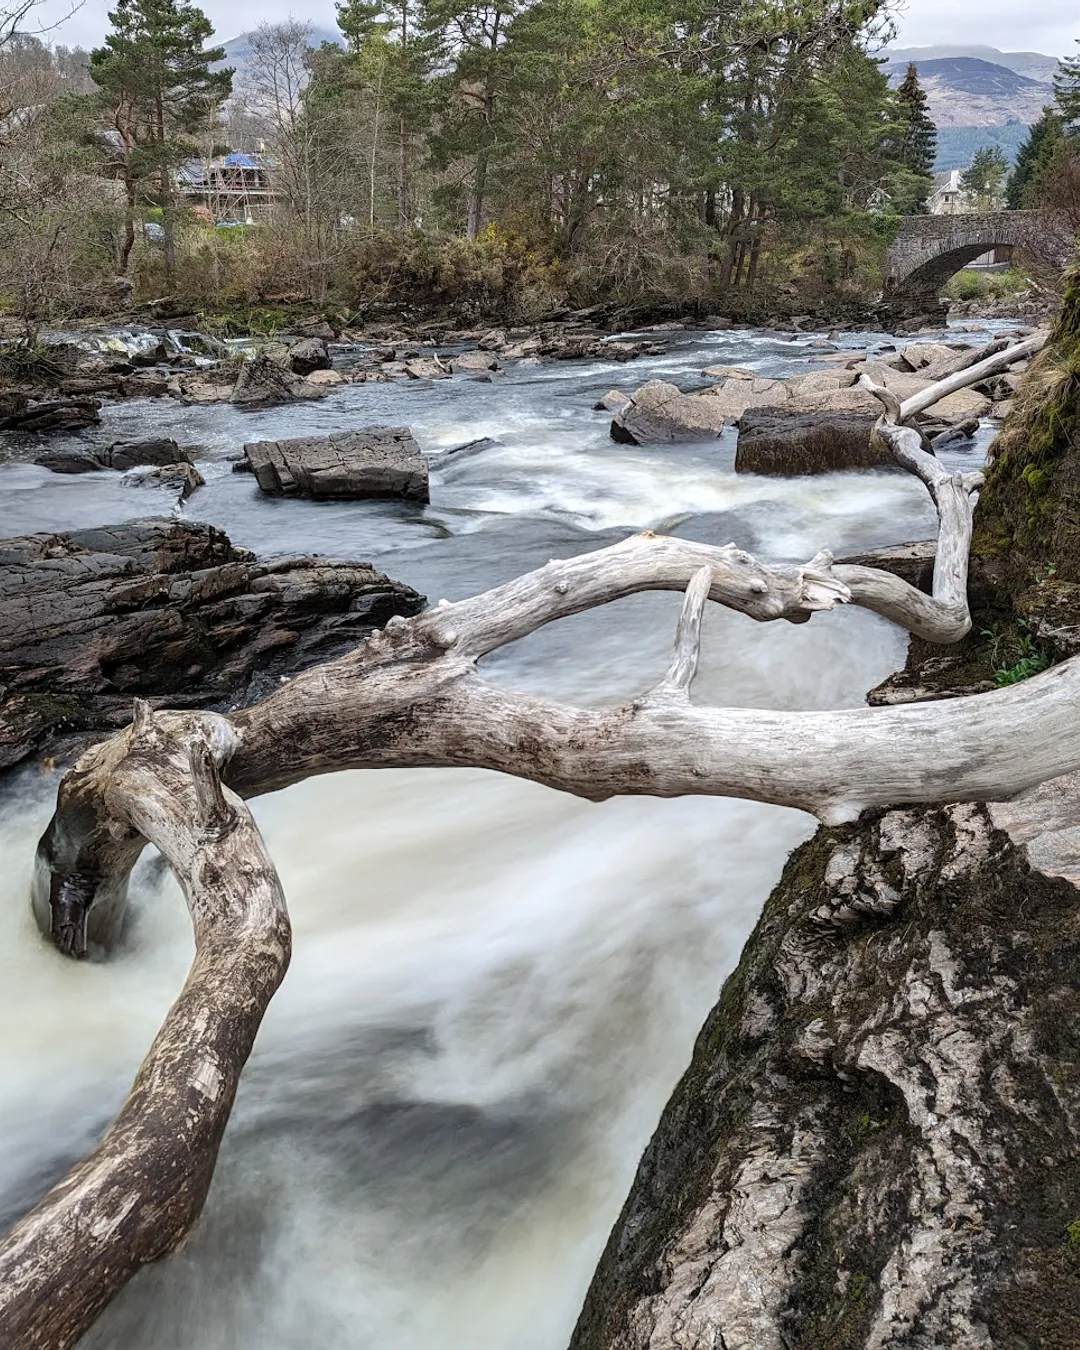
[
  {"x": 983, "y": 178},
  {"x": 918, "y": 136},
  {"x": 155, "y": 74},
  {"x": 1067, "y": 93},
  {"x": 1033, "y": 160}
]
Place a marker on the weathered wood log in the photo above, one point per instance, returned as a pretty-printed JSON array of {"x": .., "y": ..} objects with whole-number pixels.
[{"x": 136, "y": 1195}]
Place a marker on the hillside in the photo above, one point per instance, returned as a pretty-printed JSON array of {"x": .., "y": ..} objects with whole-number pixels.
[
  {"x": 1035, "y": 65},
  {"x": 966, "y": 91}
]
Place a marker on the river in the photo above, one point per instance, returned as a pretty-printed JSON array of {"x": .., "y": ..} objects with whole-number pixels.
[{"x": 494, "y": 986}]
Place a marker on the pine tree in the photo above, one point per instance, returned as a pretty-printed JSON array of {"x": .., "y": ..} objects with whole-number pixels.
[
  {"x": 1032, "y": 161},
  {"x": 984, "y": 177},
  {"x": 1067, "y": 93},
  {"x": 155, "y": 74},
  {"x": 918, "y": 137}
]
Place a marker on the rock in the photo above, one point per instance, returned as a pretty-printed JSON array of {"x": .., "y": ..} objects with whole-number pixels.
[
  {"x": 469, "y": 361},
  {"x": 780, "y": 442},
  {"x": 307, "y": 355},
  {"x": 820, "y": 382},
  {"x": 131, "y": 454},
  {"x": 167, "y": 610},
  {"x": 963, "y": 404},
  {"x": 328, "y": 378},
  {"x": 72, "y": 460},
  {"x": 370, "y": 462},
  {"x": 493, "y": 341},
  {"x": 728, "y": 373},
  {"x": 912, "y": 562},
  {"x": 660, "y": 414},
  {"x": 183, "y": 476},
  {"x": 530, "y": 347},
  {"x": 873, "y": 1144},
  {"x": 315, "y": 328},
  {"x": 612, "y": 401},
  {"x": 263, "y": 383},
  {"x": 732, "y": 397},
  {"x": 427, "y": 368},
  {"x": 145, "y": 384},
  {"x": 598, "y": 349},
  {"x": 53, "y": 414},
  {"x": 952, "y": 438},
  {"x": 918, "y": 355},
  {"x": 716, "y": 323},
  {"x": 215, "y": 386}
]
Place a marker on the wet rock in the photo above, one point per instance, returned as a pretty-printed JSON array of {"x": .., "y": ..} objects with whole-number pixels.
[
  {"x": 426, "y": 368},
  {"x": 918, "y": 355},
  {"x": 130, "y": 454},
  {"x": 215, "y": 386},
  {"x": 493, "y": 341},
  {"x": 660, "y": 414},
  {"x": 728, "y": 373},
  {"x": 470, "y": 361},
  {"x": 371, "y": 462},
  {"x": 612, "y": 401},
  {"x": 184, "y": 477},
  {"x": 780, "y": 442},
  {"x": 326, "y": 378},
  {"x": 145, "y": 384},
  {"x": 263, "y": 383},
  {"x": 53, "y": 414},
  {"x": 459, "y": 454},
  {"x": 71, "y": 460},
  {"x": 307, "y": 355},
  {"x": 167, "y": 610}
]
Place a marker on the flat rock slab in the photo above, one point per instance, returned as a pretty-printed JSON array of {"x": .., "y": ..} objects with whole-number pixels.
[
  {"x": 369, "y": 462},
  {"x": 781, "y": 443},
  {"x": 169, "y": 611}
]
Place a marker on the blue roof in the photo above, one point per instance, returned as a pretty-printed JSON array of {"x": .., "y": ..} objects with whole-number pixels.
[{"x": 239, "y": 160}]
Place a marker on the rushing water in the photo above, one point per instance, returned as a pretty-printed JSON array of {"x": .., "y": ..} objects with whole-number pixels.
[{"x": 494, "y": 986}]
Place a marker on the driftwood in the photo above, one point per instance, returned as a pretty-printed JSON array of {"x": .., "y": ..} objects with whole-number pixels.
[{"x": 412, "y": 696}]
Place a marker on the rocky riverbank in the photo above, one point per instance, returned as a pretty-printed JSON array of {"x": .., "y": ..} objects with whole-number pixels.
[{"x": 165, "y": 610}]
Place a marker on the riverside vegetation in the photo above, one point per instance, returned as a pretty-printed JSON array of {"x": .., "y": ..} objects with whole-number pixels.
[{"x": 498, "y": 159}]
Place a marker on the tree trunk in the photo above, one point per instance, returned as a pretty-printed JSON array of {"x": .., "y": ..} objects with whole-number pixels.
[
  {"x": 476, "y": 195},
  {"x": 127, "y": 240},
  {"x": 404, "y": 217}
]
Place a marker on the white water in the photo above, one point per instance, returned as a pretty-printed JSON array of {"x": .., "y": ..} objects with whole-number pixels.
[{"x": 494, "y": 986}]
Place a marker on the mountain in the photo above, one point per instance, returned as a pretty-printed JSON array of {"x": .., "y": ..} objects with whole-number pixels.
[
  {"x": 966, "y": 91},
  {"x": 238, "y": 49},
  {"x": 1035, "y": 65}
]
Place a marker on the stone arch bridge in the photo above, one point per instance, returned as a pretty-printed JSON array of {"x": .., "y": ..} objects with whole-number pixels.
[{"x": 929, "y": 249}]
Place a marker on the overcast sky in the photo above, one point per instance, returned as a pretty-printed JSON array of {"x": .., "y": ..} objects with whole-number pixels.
[{"x": 1049, "y": 26}]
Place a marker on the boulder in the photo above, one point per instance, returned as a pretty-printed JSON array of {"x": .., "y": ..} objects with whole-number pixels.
[
  {"x": 315, "y": 328},
  {"x": 370, "y": 462},
  {"x": 52, "y": 414},
  {"x": 131, "y": 454},
  {"x": 728, "y": 373},
  {"x": 308, "y": 354},
  {"x": 71, "y": 460},
  {"x": 182, "y": 476},
  {"x": 426, "y": 368},
  {"x": 163, "y": 609},
  {"x": 470, "y": 361},
  {"x": 782, "y": 443},
  {"x": 919, "y": 355},
  {"x": 216, "y": 386},
  {"x": 145, "y": 384},
  {"x": 493, "y": 341},
  {"x": 660, "y": 414},
  {"x": 732, "y": 397},
  {"x": 612, "y": 401},
  {"x": 326, "y": 378},
  {"x": 820, "y": 382},
  {"x": 263, "y": 383}
]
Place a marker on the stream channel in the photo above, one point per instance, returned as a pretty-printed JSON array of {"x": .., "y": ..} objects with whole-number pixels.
[{"x": 494, "y": 986}]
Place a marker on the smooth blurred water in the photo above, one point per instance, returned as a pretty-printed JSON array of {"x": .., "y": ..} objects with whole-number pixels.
[{"x": 494, "y": 986}]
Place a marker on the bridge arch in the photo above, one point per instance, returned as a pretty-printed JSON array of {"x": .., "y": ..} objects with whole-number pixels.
[{"x": 928, "y": 250}]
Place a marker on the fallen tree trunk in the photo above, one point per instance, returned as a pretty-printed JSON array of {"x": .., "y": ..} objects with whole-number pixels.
[{"x": 412, "y": 696}]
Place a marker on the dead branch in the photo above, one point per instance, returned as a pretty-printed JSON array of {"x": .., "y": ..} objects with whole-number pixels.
[{"x": 136, "y": 1196}]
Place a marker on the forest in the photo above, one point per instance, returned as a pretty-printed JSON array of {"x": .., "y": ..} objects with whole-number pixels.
[{"x": 513, "y": 158}]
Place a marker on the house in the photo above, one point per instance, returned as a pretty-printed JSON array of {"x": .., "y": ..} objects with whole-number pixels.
[
  {"x": 237, "y": 188},
  {"x": 948, "y": 197}
]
